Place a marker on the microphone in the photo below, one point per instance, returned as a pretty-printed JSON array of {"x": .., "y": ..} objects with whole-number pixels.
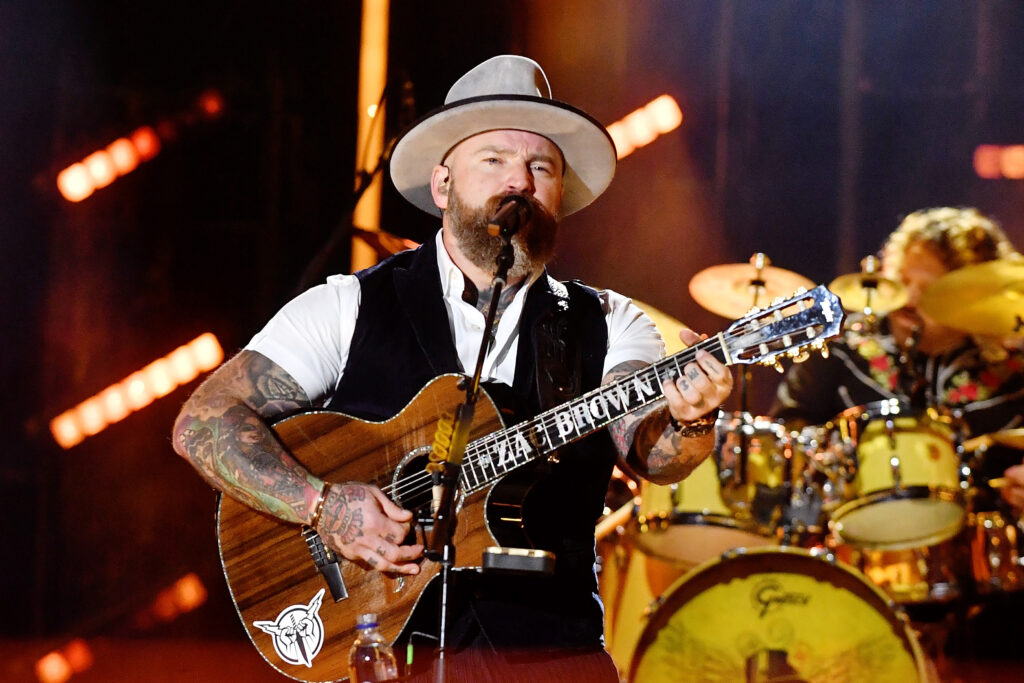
[{"x": 513, "y": 213}]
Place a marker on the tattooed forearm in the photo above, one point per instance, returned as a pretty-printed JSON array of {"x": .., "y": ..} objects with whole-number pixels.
[
  {"x": 649, "y": 445},
  {"x": 222, "y": 433}
]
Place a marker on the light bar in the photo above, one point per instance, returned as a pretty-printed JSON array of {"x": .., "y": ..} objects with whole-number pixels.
[
  {"x": 79, "y": 180},
  {"x": 999, "y": 161},
  {"x": 122, "y": 156},
  {"x": 137, "y": 391},
  {"x": 643, "y": 126},
  {"x": 59, "y": 665}
]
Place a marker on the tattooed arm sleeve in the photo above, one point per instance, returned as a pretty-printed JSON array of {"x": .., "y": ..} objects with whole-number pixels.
[
  {"x": 647, "y": 442},
  {"x": 222, "y": 432}
]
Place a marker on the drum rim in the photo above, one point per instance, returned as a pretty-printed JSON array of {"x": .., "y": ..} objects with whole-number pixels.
[
  {"x": 674, "y": 518},
  {"x": 893, "y": 408},
  {"x": 896, "y": 611},
  {"x": 940, "y": 493}
]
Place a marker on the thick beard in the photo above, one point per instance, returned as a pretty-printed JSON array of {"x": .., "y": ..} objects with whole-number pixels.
[{"x": 533, "y": 245}]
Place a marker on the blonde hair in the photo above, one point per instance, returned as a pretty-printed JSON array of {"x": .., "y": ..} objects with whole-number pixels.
[{"x": 959, "y": 236}]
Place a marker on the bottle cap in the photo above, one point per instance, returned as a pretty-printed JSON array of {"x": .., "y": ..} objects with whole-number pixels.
[{"x": 368, "y": 620}]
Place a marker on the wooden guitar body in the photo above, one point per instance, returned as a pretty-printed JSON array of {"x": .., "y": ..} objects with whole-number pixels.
[{"x": 268, "y": 564}]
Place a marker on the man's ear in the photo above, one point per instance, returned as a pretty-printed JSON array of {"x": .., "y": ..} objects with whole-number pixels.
[{"x": 440, "y": 180}]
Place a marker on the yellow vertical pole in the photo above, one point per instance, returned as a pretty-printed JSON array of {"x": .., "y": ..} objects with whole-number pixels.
[{"x": 373, "y": 68}]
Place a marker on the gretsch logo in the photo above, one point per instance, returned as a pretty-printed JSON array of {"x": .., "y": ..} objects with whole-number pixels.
[
  {"x": 769, "y": 596},
  {"x": 298, "y": 631}
]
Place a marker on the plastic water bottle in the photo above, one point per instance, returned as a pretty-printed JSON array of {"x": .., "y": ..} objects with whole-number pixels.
[{"x": 371, "y": 659}]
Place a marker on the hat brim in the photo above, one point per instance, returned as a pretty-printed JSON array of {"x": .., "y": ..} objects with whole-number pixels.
[{"x": 585, "y": 144}]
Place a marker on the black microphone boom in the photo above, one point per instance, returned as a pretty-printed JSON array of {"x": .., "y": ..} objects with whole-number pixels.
[{"x": 513, "y": 213}]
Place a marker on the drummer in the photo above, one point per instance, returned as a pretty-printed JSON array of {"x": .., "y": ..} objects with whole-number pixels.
[{"x": 911, "y": 357}]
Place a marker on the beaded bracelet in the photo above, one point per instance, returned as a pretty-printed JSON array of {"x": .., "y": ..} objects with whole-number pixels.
[
  {"x": 319, "y": 507},
  {"x": 702, "y": 426}
]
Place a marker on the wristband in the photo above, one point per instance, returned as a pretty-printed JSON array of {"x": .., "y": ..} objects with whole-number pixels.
[
  {"x": 702, "y": 426},
  {"x": 319, "y": 507}
]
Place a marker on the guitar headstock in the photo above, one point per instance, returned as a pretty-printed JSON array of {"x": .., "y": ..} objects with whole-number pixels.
[{"x": 787, "y": 328}]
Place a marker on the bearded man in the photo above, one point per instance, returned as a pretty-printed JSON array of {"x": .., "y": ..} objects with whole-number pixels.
[{"x": 365, "y": 344}]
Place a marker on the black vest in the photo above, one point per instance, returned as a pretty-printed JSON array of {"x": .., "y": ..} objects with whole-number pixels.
[{"x": 403, "y": 339}]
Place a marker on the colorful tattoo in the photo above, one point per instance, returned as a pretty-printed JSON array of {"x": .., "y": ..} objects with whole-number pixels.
[{"x": 222, "y": 431}]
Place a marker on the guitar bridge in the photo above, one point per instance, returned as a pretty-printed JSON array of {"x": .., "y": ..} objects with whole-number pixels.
[{"x": 326, "y": 563}]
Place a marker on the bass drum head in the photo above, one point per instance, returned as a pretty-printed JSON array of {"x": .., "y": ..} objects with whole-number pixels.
[{"x": 776, "y": 614}]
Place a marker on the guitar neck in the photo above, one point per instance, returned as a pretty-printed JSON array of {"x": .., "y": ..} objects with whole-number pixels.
[
  {"x": 787, "y": 327},
  {"x": 491, "y": 457}
]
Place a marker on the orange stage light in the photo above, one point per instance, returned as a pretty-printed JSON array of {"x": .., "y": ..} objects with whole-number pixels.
[
  {"x": 189, "y": 592},
  {"x": 75, "y": 183},
  {"x": 211, "y": 103},
  {"x": 1012, "y": 162},
  {"x": 664, "y": 114},
  {"x": 137, "y": 391},
  {"x": 124, "y": 155},
  {"x": 146, "y": 142},
  {"x": 101, "y": 168},
  {"x": 53, "y": 668},
  {"x": 78, "y": 655},
  {"x": 986, "y": 161},
  {"x": 642, "y": 126}
]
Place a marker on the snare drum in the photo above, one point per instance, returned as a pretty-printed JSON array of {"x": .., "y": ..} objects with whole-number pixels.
[
  {"x": 903, "y": 476},
  {"x": 774, "y": 614}
]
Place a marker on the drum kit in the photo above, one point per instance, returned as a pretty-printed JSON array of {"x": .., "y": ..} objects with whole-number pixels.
[{"x": 796, "y": 554}]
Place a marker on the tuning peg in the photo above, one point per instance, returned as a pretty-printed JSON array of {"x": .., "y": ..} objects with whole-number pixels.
[
  {"x": 799, "y": 355},
  {"x": 824, "y": 350},
  {"x": 778, "y": 367}
]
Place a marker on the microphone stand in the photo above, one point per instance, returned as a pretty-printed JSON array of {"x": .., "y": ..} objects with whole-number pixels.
[{"x": 442, "y": 544}]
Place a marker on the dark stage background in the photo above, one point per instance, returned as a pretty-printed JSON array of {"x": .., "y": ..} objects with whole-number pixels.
[{"x": 810, "y": 127}]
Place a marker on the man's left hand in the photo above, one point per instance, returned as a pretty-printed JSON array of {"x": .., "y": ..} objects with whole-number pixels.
[{"x": 703, "y": 386}]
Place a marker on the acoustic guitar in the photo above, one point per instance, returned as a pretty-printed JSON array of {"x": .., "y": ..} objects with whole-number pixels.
[{"x": 298, "y": 602}]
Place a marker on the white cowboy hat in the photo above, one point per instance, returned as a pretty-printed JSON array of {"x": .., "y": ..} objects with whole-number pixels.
[{"x": 507, "y": 92}]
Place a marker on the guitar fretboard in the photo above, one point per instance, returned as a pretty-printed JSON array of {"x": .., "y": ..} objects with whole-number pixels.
[
  {"x": 491, "y": 457},
  {"x": 760, "y": 336}
]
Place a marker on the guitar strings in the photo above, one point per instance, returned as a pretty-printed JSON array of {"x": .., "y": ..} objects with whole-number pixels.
[{"x": 487, "y": 445}]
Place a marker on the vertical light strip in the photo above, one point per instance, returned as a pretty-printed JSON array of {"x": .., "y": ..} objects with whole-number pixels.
[{"x": 373, "y": 68}]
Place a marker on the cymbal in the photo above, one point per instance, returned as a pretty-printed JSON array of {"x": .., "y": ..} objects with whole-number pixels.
[
  {"x": 986, "y": 298},
  {"x": 732, "y": 289},
  {"x": 861, "y": 291}
]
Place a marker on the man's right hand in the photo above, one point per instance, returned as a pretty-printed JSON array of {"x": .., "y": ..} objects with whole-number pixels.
[{"x": 365, "y": 526}]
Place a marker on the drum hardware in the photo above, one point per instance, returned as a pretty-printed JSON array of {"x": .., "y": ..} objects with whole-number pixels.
[
  {"x": 869, "y": 293},
  {"x": 984, "y": 298},
  {"x": 733, "y": 289}
]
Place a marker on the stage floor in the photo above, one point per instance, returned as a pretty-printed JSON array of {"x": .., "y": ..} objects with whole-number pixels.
[{"x": 172, "y": 660}]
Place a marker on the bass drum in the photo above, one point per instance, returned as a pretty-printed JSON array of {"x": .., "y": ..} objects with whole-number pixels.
[{"x": 776, "y": 614}]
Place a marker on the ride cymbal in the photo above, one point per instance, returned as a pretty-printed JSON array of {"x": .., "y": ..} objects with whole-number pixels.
[
  {"x": 985, "y": 298},
  {"x": 732, "y": 289}
]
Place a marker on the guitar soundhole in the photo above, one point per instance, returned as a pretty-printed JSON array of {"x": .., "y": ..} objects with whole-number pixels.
[{"x": 411, "y": 487}]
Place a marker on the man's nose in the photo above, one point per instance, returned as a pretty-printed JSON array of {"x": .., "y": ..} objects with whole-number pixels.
[{"x": 520, "y": 179}]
